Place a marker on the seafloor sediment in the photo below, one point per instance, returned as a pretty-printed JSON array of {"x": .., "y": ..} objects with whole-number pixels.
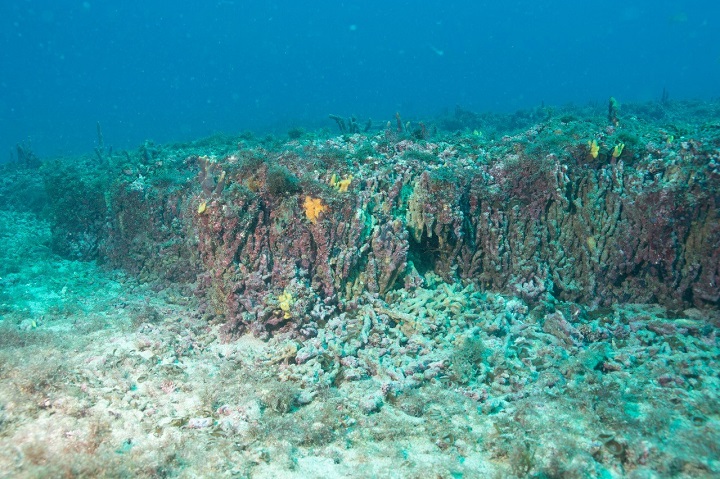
[{"x": 532, "y": 295}]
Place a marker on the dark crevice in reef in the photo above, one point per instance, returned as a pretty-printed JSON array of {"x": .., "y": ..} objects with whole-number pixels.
[{"x": 423, "y": 253}]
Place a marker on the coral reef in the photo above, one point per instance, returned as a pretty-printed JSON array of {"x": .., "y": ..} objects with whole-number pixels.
[
  {"x": 639, "y": 225},
  {"x": 630, "y": 215},
  {"x": 406, "y": 302}
]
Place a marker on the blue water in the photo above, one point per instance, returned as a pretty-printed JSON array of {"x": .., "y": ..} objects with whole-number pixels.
[{"x": 179, "y": 70}]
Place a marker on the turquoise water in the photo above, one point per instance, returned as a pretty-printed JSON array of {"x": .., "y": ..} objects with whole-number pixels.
[{"x": 170, "y": 71}]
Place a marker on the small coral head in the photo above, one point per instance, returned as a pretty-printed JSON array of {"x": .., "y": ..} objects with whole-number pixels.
[
  {"x": 594, "y": 148},
  {"x": 341, "y": 185},
  {"x": 313, "y": 207},
  {"x": 617, "y": 151},
  {"x": 285, "y": 301},
  {"x": 344, "y": 184}
]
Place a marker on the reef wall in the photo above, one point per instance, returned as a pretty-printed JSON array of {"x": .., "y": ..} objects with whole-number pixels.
[
  {"x": 530, "y": 224},
  {"x": 276, "y": 233}
]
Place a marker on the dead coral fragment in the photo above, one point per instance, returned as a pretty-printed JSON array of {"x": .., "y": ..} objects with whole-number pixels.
[
  {"x": 613, "y": 111},
  {"x": 313, "y": 207},
  {"x": 212, "y": 177}
]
